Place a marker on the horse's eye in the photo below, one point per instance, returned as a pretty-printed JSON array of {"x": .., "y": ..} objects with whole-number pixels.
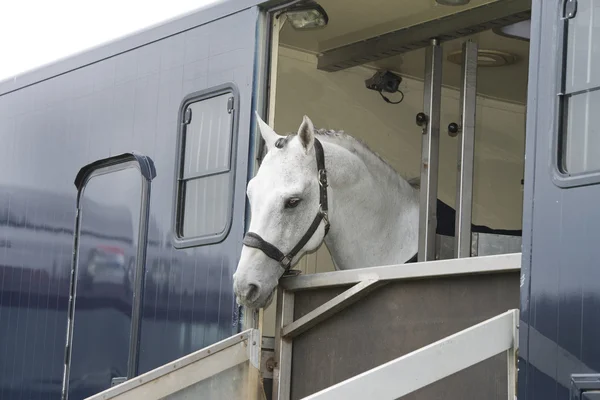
[{"x": 292, "y": 202}]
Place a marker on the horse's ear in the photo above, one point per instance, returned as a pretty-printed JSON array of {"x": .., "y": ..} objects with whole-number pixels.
[
  {"x": 306, "y": 133},
  {"x": 267, "y": 133}
]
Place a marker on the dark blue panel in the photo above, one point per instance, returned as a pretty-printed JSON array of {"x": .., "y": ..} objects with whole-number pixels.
[
  {"x": 560, "y": 296},
  {"x": 48, "y": 131},
  {"x": 36, "y": 235}
]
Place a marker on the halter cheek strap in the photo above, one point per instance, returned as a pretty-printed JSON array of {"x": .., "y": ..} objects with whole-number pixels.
[{"x": 285, "y": 260}]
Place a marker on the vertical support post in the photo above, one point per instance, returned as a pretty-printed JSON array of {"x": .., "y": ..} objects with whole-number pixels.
[
  {"x": 512, "y": 359},
  {"x": 430, "y": 147},
  {"x": 138, "y": 285},
  {"x": 466, "y": 151},
  {"x": 277, "y": 26},
  {"x": 282, "y": 373}
]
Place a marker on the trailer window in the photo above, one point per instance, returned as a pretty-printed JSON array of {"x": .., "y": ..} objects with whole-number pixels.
[
  {"x": 580, "y": 142},
  {"x": 204, "y": 202}
]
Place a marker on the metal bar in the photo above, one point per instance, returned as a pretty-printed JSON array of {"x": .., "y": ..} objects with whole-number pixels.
[
  {"x": 282, "y": 373},
  {"x": 330, "y": 308},
  {"x": 138, "y": 283},
  {"x": 428, "y": 364},
  {"x": 449, "y": 27},
  {"x": 432, "y": 97},
  {"x": 253, "y": 389},
  {"x": 466, "y": 151},
  {"x": 188, "y": 370},
  {"x": 511, "y": 358},
  {"x": 440, "y": 268},
  {"x": 71, "y": 306},
  {"x": 278, "y": 24}
]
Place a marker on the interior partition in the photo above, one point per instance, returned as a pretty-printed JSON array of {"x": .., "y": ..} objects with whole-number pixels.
[{"x": 396, "y": 319}]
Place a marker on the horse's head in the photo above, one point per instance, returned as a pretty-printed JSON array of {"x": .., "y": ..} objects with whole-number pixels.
[{"x": 288, "y": 202}]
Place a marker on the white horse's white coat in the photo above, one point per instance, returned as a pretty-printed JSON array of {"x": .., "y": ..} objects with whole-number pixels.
[{"x": 373, "y": 211}]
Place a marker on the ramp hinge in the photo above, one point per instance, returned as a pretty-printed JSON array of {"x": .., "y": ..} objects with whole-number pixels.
[
  {"x": 230, "y": 105},
  {"x": 117, "y": 380}
]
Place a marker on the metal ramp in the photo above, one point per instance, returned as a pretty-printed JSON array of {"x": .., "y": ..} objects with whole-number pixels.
[
  {"x": 435, "y": 329},
  {"x": 228, "y": 369},
  {"x": 382, "y": 333},
  {"x": 437, "y": 361}
]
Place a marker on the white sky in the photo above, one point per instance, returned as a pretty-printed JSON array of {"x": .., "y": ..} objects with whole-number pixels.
[{"x": 36, "y": 32}]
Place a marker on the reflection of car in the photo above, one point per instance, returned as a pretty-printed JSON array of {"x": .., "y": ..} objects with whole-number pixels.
[{"x": 107, "y": 264}]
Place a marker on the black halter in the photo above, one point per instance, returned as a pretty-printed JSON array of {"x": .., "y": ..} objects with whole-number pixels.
[{"x": 285, "y": 260}]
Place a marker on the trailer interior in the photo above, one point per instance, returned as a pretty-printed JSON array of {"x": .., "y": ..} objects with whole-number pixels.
[
  {"x": 325, "y": 73},
  {"x": 321, "y": 73}
]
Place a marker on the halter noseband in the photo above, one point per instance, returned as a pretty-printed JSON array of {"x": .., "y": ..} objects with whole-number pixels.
[{"x": 285, "y": 260}]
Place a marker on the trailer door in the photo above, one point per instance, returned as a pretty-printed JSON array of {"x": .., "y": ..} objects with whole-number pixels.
[
  {"x": 106, "y": 277},
  {"x": 560, "y": 294}
]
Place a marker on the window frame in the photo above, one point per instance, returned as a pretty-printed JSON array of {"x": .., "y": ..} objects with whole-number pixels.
[
  {"x": 560, "y": 176},
  {"x": 145, "y": 166},
  {"x": 180, "y": 241}
]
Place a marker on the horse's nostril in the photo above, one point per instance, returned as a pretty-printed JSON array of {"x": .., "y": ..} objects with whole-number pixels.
[{"x": 252, "y": 292}]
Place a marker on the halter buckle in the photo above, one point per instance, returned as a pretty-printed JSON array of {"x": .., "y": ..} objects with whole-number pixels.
[
  {"x": 286, "y": 262},
  {"x": 323, "y": 177},
  {"x": 323, "y": 214}
]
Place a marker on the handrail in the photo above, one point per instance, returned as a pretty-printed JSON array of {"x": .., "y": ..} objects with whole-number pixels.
[
  {"x": 187, "y": 371},
  {"x": 428, "y": 269},
  {"x": 434, "y": 362}
]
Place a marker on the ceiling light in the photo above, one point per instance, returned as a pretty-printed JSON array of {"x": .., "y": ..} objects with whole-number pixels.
[
  {"x": 453, "y": 2},
  {"x": 520, "y": 30},
  {"x": 307, "y": 16},
  {"x": 486, "y": 58}
]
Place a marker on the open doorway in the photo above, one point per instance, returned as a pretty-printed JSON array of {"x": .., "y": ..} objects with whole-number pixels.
[{"x": 321, "y": 73}]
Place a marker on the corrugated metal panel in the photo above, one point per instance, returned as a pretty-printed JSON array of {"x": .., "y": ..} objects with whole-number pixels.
[{"x": 49, "y": 130}]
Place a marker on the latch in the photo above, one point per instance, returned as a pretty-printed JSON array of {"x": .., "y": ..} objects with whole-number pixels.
[
  {"x": 570, "y": 9},
  {"x": 187, "y": 118}
]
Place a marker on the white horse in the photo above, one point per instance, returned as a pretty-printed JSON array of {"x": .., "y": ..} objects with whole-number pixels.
[{"x": 373, "y": 212}]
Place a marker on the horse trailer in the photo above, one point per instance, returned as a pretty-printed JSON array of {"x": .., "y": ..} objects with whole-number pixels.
[{"x": 334, "y": 199}]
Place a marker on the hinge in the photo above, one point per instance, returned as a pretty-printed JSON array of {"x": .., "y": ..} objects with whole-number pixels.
[
  {"x": 67, "y": 350},
  {"x": 230, "y": 105},
  {"x": 570, "y": 9},
  {"x": 117, "y": 380},
  {"x": 187, "y": 118}
]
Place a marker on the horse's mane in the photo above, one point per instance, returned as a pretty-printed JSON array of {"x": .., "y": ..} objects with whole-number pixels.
[{"x": 362, "y": 150}]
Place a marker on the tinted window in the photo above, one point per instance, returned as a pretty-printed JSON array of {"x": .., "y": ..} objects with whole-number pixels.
[
  {"x": 205, "y": 180},
  {"x": 580, "y": 151}
]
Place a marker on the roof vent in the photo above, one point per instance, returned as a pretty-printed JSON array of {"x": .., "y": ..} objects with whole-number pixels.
[{"x": 486, "y": 58}]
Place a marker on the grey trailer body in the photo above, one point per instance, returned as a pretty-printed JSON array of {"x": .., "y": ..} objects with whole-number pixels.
[{"x": 126, "y": 96}]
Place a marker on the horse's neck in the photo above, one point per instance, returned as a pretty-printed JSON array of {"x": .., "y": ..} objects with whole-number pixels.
[{"x": 374, "y": 212}]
